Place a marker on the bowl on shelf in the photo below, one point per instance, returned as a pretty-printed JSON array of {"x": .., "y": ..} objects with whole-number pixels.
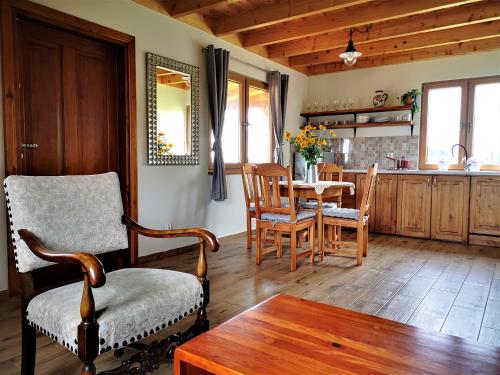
[{"x": 363, "y": 119}]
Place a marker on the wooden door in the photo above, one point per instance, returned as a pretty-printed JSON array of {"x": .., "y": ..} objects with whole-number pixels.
[
  {"x": 386, "y": 203},
  {"x": 450, "y": 208},
  {"x": 414, "y": 206},
  {"x": 485, "y": 205},
  {"x": 69, "y": 94},
  {"x": 360, "y": 183}
]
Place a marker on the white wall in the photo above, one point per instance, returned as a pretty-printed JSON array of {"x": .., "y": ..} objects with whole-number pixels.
[
  {"x": 169, "y": 194},
  {"x": 396, "y": 80}
]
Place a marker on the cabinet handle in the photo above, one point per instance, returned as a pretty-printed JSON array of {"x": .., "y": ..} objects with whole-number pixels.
[
  {"x": 434, "y": 181},
  {"x": 428, "y": 181}
]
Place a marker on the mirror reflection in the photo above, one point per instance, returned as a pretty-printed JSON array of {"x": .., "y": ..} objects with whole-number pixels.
[{"x": 173, "y": 109}]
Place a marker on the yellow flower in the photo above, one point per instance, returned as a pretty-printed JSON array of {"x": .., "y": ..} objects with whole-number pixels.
[
  {"x": 323, "y": 142},
  {"x": 312, "y": 134},
  {"x": 288, "y": 136},
  {"x": 308, "y": 127},
  {"x": 170, "y": 145},
  {"x": 303, "y": 132},
  {"x": 313, "y": 127},
  {"x": 332, "y": 133},
  {"x": 322, "y": 127}
]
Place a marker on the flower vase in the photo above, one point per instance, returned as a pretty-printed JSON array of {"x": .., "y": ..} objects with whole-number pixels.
[{"x": 311, "y": 173}]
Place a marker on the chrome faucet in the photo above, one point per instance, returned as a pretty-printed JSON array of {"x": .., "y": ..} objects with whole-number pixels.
[{"x": 465, "y": 160}]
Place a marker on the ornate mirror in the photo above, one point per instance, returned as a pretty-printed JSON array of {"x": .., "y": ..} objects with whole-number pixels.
[{"x": 173, "y": 112}]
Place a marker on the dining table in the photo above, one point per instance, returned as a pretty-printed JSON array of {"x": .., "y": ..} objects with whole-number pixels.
[{"x": 317, "y": 190}]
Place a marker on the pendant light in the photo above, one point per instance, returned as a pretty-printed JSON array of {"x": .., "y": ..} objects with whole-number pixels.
[{"x": 350, "y": 55}]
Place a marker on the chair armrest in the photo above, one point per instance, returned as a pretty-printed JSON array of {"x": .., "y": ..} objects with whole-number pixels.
[
  {"x": 201, "y": 233},
  {"x": 89, "y": 262}
]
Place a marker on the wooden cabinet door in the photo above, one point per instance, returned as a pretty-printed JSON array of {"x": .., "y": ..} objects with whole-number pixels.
[
  {"x": 485, "y": 205},
  {"x": 450, "y": 208},
  {"x": 414, "y": 206},
  {"x": 360, "y": 183},
  {"x": 348, "y": 200},
  {"x": 386, "y": 203}
]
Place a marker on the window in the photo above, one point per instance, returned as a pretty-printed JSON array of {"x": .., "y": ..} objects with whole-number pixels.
[
  {"x": 247, "y": 134},
  {"x": 463, "y": 111}
]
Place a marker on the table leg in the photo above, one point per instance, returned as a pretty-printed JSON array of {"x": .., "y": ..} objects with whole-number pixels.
[{"x": 320, "y": 227}]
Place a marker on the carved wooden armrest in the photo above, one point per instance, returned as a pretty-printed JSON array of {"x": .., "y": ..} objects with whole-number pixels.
[
  {"x": 89, "y": 262},
  {"x": 201, "y": 233}
]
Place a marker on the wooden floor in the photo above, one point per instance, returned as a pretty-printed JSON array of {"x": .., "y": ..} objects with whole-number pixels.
[{"x": 441, "y": 286}]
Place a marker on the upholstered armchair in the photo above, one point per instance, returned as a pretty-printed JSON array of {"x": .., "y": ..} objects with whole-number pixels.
[{"x": 79, "y": 220}]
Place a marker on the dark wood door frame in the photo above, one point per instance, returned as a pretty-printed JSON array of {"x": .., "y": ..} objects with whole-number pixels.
[{"x": 12, "y": 103}]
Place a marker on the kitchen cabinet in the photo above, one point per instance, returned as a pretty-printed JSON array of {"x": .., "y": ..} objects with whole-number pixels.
[
  {"x": 360, "y": 184},
  {"x": 450, "y": 208},
  {"x": 386, "y": 203},
  {"x": 484, "y": 220},
  {"x": 414, "y": 206},
  {"x": 348, "y": 200}
]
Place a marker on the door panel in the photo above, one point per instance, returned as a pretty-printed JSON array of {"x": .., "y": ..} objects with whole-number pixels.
[
  {"x": 450, "y": 208},
  {"x": 42, "y": 101},
  {"x": 386, "y": 204},
  {"x": 485, "y": 206},
  {"x": 414, "y": 206},
  {"x": 70, "y": 95}
]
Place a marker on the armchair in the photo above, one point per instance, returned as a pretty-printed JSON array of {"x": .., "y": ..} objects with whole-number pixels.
[{"x": 117, "y": 304}]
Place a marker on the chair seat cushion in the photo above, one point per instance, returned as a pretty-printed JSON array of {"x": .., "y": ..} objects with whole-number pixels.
[
  {"x": 283, "y": 218},
  {"x": 132, "y": 304},
  {"x": 344, "y": 213},
  {"x": 314, "y": 205}
]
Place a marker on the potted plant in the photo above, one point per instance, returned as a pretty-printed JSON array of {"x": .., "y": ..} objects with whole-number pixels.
[
  {"x": 311, "y": 147},
  {"x": 410, "y": 98}
]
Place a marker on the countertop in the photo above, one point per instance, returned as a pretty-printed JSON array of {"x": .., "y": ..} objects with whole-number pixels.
[{"x": 428, "y": 172}]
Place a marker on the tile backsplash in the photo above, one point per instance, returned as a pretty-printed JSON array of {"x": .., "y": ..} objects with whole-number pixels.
[{"x": 363, "y": 152}]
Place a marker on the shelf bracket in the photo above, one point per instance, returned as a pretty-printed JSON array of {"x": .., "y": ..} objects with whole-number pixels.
[
  {"x": 411, "y": 131},
  {"x": 355, "y": 129}
]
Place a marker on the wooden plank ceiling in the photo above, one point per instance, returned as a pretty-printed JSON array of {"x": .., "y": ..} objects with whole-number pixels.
[{"x": 308, "y": 35}]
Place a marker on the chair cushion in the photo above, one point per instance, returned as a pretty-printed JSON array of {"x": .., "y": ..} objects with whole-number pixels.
[
  {"x": 314, "y": 205},
  {"x": 344, "y": 213},
  {"x": 283, "y": 218},
  {"x": 67, "y": 213},
  {"x": 133, "y": 303}
]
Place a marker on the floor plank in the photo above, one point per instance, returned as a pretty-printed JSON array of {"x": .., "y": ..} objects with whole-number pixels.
[
  {"x": 403, "y": 279},
  {"x": 463, "y": 322}
]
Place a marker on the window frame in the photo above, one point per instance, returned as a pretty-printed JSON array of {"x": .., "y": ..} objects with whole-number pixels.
[
  {"x": 245, "y": 83},
  {"x": 466, "y": 119}
]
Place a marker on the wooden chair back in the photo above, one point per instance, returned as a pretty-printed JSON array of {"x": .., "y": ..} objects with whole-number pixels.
[
  {"x": 266, "y": 186},
  {"x": 368, "y": 190},
  {"x": 330, "y": 172},
  {"x": 246, "y": 175}
]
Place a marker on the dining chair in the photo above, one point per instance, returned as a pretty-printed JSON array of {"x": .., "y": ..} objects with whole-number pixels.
[
  {"x": 271, "y": 213},
  {"x": 352, "y": 218}
]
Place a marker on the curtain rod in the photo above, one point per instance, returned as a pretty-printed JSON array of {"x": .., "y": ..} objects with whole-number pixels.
[{"x": 243, "y": 62}]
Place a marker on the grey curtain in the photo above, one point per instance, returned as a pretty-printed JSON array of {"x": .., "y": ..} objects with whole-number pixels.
[
  {"x": 278, "y": 93},
  {"x": 217, "y": 65}
]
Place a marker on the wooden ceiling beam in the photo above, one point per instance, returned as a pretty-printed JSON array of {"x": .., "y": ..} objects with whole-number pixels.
[
  {"x": 406, "y": 57},
  {"x": 376, "y": 11},
  {"x": 411, "y": 42},
  {"x": 283, "y": 10},
  {"x": 438, "y": 20},
  {"x": 181, "y": 8}
]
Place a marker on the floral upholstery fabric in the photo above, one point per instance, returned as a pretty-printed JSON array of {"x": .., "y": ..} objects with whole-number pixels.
[
  {"x": 67, "y": 214},
  {"x": 132, "y": 304},
  {"x": 314, "y": 205},
  {"x": 344, "y": 213},
  {"x": 283, "y": 218}
]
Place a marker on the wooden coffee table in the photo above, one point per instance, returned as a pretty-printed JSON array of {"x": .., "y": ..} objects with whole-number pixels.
[{"x": 286, "y": 335}]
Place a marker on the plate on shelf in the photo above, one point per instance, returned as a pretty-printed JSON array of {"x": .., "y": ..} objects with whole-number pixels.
[{"x": 381, "y": 119}]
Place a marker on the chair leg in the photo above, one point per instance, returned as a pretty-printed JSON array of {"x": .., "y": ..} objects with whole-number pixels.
[
  {"x": 365, "y": 240},
  {"x": 278, "y": 242},
  {"x": 258, "y": 240},
  {"x": 293, "y": 250},
  {"x": 311, "y": 242},
  {"x": 359, "y": 246},
  {"x": 28, "y": 349},
  {"x": 88, "y": 369},
  {"x": 249, "y": 231},
  {"x": 300, "y": 236}
]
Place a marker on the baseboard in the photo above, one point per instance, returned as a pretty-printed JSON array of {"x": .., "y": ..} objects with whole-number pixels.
[
  {"x": 476, "y": 239},
  {"x": 168, "y": 253}
]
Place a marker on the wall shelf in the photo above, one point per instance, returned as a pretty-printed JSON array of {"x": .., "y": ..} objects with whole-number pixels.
[{"x": 355, "y": 125}]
